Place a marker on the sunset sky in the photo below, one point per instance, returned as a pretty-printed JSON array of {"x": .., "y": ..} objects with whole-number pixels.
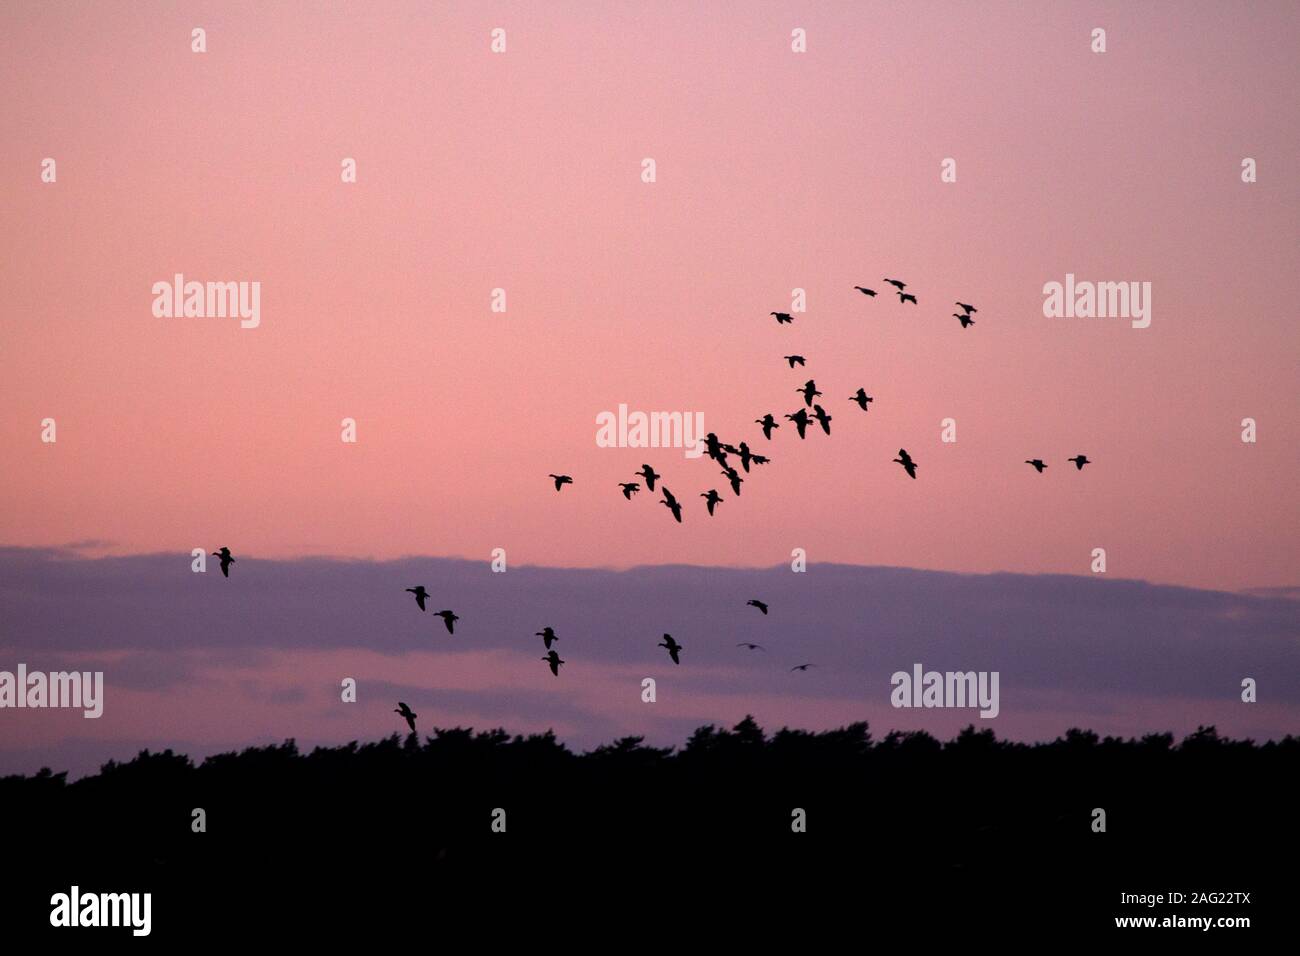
[{"x": 775, "y": 170}]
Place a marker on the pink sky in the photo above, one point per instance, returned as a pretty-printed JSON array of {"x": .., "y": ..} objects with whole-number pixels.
[{"x": 775, "y": 171}]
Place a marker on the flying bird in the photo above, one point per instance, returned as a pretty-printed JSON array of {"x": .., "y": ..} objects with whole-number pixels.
[
  {"x": 673, "y": 647},
  {"x": 760, "y": 459},
  {"x": 561, "y": 481},
  {"x": 715, "y": 449},
  {"x": 894, "y": 282},
  {"x": 965, "y": 320},
  {"x": 746, "y": 456},
  {"x": 553, "y": 658},
  {"x": 905, "y": 460},
  {"x": 870, "y": 292},
  {"x": 801, "y": 667},
  {"x": 672, "y": 504},
  {"x": 905, "y": 297},
  {"x": 822, "y": 418},
  {"x": 420, "y": 594},
  {"x": 1080, "y": 461},
  {"x": 1038, "y": 464},
  {"x": 713, "y": 499},
  {"x": 749, "y": 646},
  {"x": 768, "y": 423},
  {"x": 227, "y": 560},
  {"x": 758, "y": 604},
  {"x": 862, "y": 398},
  {"x": 800, "y": 419},
  {"x": 794, "y": 360},
  {"x": 733, "y": 476},
  {"x": 967, "y": 308},
  {"x": 810, "y": 392},
  {"x": 782, "y": 317},
  {"x": 547, "y": 634},
  {"x": 650, "y": 477},
  {"x": 449, "y": 618},
  {"x": 407, "y": 713}
]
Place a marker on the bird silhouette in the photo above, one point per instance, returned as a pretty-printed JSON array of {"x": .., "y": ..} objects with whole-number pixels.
[
  {"x": 449, "y": 618},
  {"x": 905, "y": 460},
  {"x": 553, "y": 658},
  {"x": 1080, "y": 461},
  {"x": 965, "y": 319},
  {"x": 672, "y": 504},
  {"x": 561, "y": 481},
  {"x": 752, "y": 647},
  {"x": 768, "y": 423},
  {"x": 712, "y": 497},
  {"x": 822, "y": 418},
  {"x": 781, "y": 317},
  {"x": 800, "y": 419},
  {"x": 810, "y": 392},
  {"x": 714, "y": 449},
  {"x": 547, "y": 635},
  {"x": 968, "y": 309},
  {"x": 905, "y": 297},
  {"x": 862, "y": 398},
  {"x": 760, "y": 459},
  {"x": 649, "y": 475},
  {"x": 899, "y": 285},
  {"x": 733, "y": 476},
  {"x": 226, "y": 561},
  {"x": 795, "y": 360},
  {"x": 420, "y": 594},
  {"x": 801, "y": 667},
  {"x": 629, "y": 488},
  {"x": 407, "y": 713},
  {"x": 1038, "y": 464},
  {"x": 746, "y": 456},
  {"x": 673, "y": 647},
  {"x": 870, "y": 292},
  {"x": 758, "y": 604}
]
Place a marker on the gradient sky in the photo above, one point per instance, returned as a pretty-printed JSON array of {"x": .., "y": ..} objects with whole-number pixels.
[{"x": 775, "y": 171}]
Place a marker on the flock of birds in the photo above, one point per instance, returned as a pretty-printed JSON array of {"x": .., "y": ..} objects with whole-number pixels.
[{"x": 719, "y": 452}]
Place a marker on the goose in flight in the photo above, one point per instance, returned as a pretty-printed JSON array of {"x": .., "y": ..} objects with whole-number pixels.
[
  {"x": 768, "y": 423},
  {"x": 1080, "y": 461},
  {"x": 801, "y": 667},
  {"x": 561, "y": 481},
  {"x": 968, "y": 309},
  {"x": 965, "y": 320},
  {"x": 672, "y": 504},
  {"x": 862, "y": 398},
  {"x": 795, "y": 360},
  {"x": 673, "y": 647},
  {"x": 800, "y": 419},
  {"x": 758, "y": 604},
  {"x": 748, "y": 646},
  {"x": 407, "y": 714},
  {"x": 629, "y": 488},
  {"x": 898, "y": 285},
  {"x": 1038, "y": 464},
  {"x": 449, "y": 618},
  {"x": 782, "y": 317},
  {"x": 226, "y": 561},
  {"x": 420, "y": 594},
  {"x": 553, "y": 658},
  {"x": 810, "y": 392},
  {"x": 905, "y": 460},
  {"x": 547, "y": 634},
  {"x": 905, "y": 297},
  {"x": 650, "y": 477},
  {"x": 733, "y": 476},
  {"x": 823, "y": 419},
  {"x": 712, "y": 498},
  {"x": 870, "y": 292}
]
